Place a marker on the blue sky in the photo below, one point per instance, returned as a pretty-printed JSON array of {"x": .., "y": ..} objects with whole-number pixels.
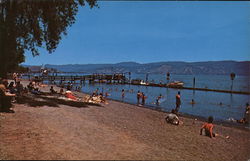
[{"x": 154, "y": 31}]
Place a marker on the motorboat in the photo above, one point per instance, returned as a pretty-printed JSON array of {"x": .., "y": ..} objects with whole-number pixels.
[{"x": 175, "y": 84}]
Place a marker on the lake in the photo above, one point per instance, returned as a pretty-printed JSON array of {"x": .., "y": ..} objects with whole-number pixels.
[{"x": 207, "y": 103}]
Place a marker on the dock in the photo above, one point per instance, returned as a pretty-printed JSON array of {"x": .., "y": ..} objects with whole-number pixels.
[
  {"x": 91, "y": 78},
  {"x": 199, "y": 89},
  {"x": 118, "y": 78}
]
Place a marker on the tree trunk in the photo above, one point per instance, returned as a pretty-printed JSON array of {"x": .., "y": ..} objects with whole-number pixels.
[
  {"x": 3, "y": 72},
  {"x": 5, "y": 43}
]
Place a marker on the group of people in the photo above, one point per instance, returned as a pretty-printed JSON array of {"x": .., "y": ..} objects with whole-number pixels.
[
  {"x": 206, "y": 129},
  {"x": 97, "y": 97},
  {"x": 141, "y": 98},
  {"x": 8, "y": 93},
  {"x": 16, "y": 88},
  {"x": 246, "y": 118},
  {"x": 12, "y": 88}
]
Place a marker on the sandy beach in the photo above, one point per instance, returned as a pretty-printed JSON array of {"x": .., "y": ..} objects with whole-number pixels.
[{"x": 48, "y": 129}]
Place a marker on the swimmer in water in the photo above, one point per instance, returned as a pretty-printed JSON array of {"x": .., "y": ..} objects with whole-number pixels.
[
  {"x": 158, "y": 100},
  {"x": 192, "y": 102}
]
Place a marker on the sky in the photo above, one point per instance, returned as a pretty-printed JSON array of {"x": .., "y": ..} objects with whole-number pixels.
[{"x": 148, "y": 31}]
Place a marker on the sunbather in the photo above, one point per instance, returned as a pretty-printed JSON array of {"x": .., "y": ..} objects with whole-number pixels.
[
  {"x": 172, "y": 118},
  {"x": 70, "y": 95},
  {"x": 208, "y": 127}
]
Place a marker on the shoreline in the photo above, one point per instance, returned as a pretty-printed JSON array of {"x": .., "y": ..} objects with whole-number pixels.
[
  {"x": 185, "y": 115},
  {"x": 201, "y": 118},
  {"x": 90, "y": 77},
  {"x": 114, "y": 131}
]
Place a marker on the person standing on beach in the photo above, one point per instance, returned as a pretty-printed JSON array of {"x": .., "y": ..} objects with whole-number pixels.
[
  {"x": 143, "y": 98},
  {"x": 247, "y": 113},
  {"x": 178, "y": 101},
  {"x": 138, "y": 96},
  {"x": 123, "y": 94}
]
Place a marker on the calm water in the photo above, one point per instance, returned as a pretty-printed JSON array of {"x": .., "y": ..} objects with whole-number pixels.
[
  {"x": 223, "y": 82},
  {"x": 207, "y": 103}
]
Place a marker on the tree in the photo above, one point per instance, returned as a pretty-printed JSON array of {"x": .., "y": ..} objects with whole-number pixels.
[{"x": 27, "y": 25}]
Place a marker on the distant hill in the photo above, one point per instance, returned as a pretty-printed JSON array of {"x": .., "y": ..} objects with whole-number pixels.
[{"x": 210, "y": 67}]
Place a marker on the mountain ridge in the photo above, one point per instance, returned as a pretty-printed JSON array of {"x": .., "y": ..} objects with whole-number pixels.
[{"x": 174, "y": 67}]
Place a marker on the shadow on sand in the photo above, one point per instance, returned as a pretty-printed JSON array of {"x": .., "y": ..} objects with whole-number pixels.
[
  {"x": 41, "y": 100},
  {"x": 6, "y": 111}
]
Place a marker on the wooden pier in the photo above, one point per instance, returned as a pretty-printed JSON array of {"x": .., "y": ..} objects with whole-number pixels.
[
  {"x": 93, "y": 78},
  {"x": 199, "y": 89},
  {"x": 118, "y": 78}
]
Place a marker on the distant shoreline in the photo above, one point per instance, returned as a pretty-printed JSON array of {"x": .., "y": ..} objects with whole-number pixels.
[{"x": 190, "y": 68}]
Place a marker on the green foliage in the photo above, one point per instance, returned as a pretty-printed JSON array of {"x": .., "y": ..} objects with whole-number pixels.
[{"x": 32, "y": 24}]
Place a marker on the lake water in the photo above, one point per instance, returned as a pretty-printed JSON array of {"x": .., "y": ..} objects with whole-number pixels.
[{"x": 207, "y": 103}]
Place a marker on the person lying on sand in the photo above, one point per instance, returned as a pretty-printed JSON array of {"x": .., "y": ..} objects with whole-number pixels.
[
  {"x": 95, "y": 99},
  {"x": 172, "y": 118},
  {"x": 70, "y": 95}
]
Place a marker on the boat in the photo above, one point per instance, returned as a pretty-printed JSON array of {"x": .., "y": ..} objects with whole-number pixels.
[
  {"x": 138, "y": 82},
  {"x": 175, "y": 84}
]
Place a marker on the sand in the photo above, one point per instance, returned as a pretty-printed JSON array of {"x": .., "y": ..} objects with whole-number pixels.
[{"x": 46, "y": 129}]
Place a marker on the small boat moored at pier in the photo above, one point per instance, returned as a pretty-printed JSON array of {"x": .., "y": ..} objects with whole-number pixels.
[{"x": 175, "y": 84}]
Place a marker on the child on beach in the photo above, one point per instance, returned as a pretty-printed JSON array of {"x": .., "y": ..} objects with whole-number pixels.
[
  {"x": 172, "y": 118},
  {"x": 208, "y": 127},
  {"x": 123, "y": 94},
  {"x": 158, "y": 100}
]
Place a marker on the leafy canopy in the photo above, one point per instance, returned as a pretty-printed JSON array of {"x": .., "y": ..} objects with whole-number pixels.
[{"x": 31, "y": 24}]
